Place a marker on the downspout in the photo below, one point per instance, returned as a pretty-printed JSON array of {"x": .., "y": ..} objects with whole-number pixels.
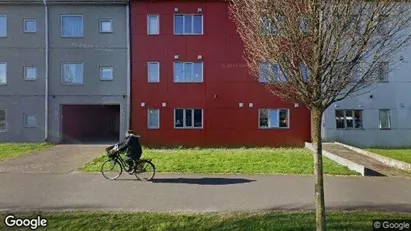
[
  {"x": 128, "y": 66},
  {"x": 46, "y": 93}
]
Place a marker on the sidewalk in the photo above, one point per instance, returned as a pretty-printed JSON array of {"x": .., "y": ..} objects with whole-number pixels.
[{"x": 197, "y": 193}]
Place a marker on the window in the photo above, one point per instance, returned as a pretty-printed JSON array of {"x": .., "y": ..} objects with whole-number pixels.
[
  {"x": 188, "y": 72},
  {"x": 29, "y": 25},
  {"x": 346, "y": 119},
  {"x": 385, "y": 119},
  {"x": 106, "y": 73},
  {"x": 188, "y": 24},
  {"x": 153, "y": 72},
  {"x": 3, "y": 120},
  {"x": 153, "y": 118},
  {"x": 271, "y": 26},
  {"x": 305, "y": 72},
  {"x": 188, "y": 118},
  {"x": 30, "y": 73},
  {"x": 153, "y": 24},
  {"x": 383, "y": 25},
  {"x": 304, "y": 26},
  {"x": 72, "y": 26},
  {"x": 271, "y": 72},
  {"x": 30, "y": 120},
  {"x": 273, "y": 118},
  {"x": 106, "y": 26},
  {"x": 3, "y": 73},
  {"x": 72, "y": 73},
  {"x": 382, "y": 71},
  {"x": 3, "y": 26}
]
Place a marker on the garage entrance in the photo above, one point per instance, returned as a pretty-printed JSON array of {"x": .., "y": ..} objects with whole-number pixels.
[{"x": 90, "y": 123}]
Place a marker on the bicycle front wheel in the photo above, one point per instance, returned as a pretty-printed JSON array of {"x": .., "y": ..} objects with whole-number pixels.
[
  {"x": 145, "y": 170},
  {"x": 111, "y": 169}
]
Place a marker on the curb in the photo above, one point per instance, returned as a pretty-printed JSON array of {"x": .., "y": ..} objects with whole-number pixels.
[{"x": 386, "y": 160}]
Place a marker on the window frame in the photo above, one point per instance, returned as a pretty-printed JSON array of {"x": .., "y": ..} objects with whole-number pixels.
[
  {"x": 71, "y": 15},
  {"x": 148, "y": 24},
  {"x": 345, "y": 119},
  {"x": 100, "y": 21},
  {"x": 385, "y": 77},
  {"x": 148, "y": 71},
  {"x": 5, "y": 121},
  {"x": 25, "y": 20},
  {"x": 184, "y": 118},
  {"x": 148, "y": 118},
  {"x": 5, "y": 64},
  {"x": 184, "y": 33},
  {"x": 271, "y": 109},
  {"x": 63, "y": 82},
  {"x": 6, "y": 26},
  {"x": 101, "y": 73},
  {"x": 25, "y": 73},
  {"x": 25, "y": 125},
  {"x": 192, "y": 71},
  {"x": 389, "y": 119}
]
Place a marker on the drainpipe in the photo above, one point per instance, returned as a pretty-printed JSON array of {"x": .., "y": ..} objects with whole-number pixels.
[
  {"x": 128, "y": 66},
  {"x": 46, "y": 93}
]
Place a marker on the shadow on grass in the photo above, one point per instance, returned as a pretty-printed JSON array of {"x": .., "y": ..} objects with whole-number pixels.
[{"x": 203, "y": 181}]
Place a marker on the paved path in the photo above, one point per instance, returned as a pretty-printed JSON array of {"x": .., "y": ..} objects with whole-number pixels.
[
  {"x": 57, "y": 159},
  {"x": 90, "y": 191},
  {"x": 364, "y": 160}
]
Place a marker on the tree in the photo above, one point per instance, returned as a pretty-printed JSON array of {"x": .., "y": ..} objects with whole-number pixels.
[{"x": 318, "y": 52}]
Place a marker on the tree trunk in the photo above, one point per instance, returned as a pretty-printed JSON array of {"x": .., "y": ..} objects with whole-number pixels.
[{"x": 316, "y": 118}]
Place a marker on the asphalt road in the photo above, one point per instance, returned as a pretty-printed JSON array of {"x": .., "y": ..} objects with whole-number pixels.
[{"x": 197, "y": 193}]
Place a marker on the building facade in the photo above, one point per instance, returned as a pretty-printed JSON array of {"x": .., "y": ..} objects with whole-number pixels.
[
  {"x": 379, "y": 116},
  {"x": 64, "y": 70},
  {"x": 190, "y": 85}
]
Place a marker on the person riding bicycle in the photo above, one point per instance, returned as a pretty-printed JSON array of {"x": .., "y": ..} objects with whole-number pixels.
[{"x": 133, "y": 147}]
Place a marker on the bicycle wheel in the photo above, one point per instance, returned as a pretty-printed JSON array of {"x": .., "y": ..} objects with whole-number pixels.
[
  {"x": 145, "y": 170},
  {"x": 111, "y": 169}
]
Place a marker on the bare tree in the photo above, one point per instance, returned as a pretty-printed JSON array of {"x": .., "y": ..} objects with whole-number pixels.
[{"x": 318, "y": 52}]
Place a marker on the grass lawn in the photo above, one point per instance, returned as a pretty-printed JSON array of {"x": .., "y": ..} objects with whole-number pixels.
[
  {"x": 13, "y": 150},
  {"x": 358, "y": 220},
  {"x": 398, "y": 154},
  {"x": 243, "y": 160}
]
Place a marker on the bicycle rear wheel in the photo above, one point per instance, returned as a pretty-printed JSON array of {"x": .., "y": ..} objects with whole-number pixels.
[
  {"x": 111, "y": 169},
  {"x": 145, "y": 170}
]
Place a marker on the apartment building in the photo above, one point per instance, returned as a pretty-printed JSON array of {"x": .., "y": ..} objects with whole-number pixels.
[
  {"x": 190, "y": 85},
  {"x": 379, "y": 116},
  {"x": 64, "y": 70}
]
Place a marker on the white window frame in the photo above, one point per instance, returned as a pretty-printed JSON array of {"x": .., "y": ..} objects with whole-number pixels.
[
  {"x": 25, "y": 120},
  {"x": 6, "y": 29},
  {"x": 24, "y": 25},
  {"x": 61, "y": 25},
  {"x": 278, "y": 116},
  {"x": 5, "y": 64},
  {"x": 353, "y": 119},
  {"x": 192, "y": 71},
  {"x": 184, "y": 33},
  {"x": 101, "y": 73},
  {"x": 63, "y": 82},
  {"x": 148, "y": 118},
  {"x": 389, "y": 119},
  {"x": 184, "y": 118},
  {"x": 148, "y": 23},
  {"x": 148, "y": 71},
  {"x": 5, "y": 120},
  {"x": 25, "y": 68},
  {"x": 100, "y": 24},
  {"x": 271, "y": 65}
]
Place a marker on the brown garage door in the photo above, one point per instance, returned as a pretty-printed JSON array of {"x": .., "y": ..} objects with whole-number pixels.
[{"x": 90, "y": 123}]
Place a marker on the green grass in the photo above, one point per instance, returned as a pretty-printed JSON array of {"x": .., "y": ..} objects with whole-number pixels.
[
  {"x": 236, "y": 161},
  {"x": 398, "y": 154},
  {"x": 358, "y": 220},
  {"x": 13, "y": 150}
]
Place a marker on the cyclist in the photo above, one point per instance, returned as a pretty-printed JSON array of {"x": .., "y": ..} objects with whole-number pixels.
[{"x": 133, "y": 147}]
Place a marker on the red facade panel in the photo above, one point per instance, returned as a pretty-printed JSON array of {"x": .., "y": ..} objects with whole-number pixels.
[{"x": 226, "y": 82}]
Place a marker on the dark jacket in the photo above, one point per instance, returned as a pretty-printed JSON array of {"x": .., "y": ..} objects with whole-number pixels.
[{"x": 133, "y": 147}]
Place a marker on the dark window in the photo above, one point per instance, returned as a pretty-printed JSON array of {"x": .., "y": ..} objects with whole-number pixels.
[
  {"x": 348, "y": 119},
  {"x": 179, "y": 118},
  {"x": 198, "y": 118}
]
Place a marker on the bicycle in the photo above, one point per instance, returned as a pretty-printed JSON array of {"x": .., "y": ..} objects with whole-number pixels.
[{"x": 116, "y": 165}]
